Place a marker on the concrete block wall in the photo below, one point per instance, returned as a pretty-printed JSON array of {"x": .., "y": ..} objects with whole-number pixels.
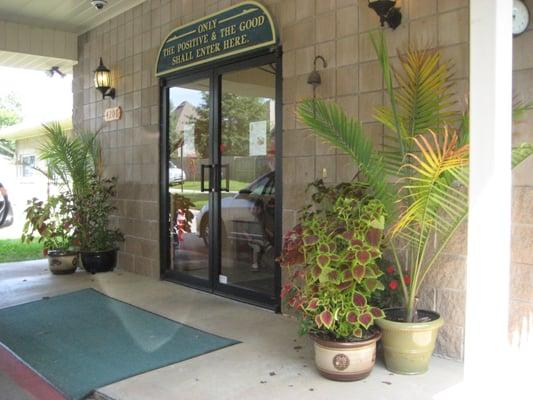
[{"x": 337, "y": 30}]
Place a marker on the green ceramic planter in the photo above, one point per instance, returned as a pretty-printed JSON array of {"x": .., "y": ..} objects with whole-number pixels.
[{"x": 408, "y": 346}]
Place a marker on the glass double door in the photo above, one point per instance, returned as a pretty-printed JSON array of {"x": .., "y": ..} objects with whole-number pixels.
[{"x": 222, "y": 182}]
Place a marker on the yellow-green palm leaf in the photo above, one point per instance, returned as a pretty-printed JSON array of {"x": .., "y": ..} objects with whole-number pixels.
[{"x": 432, "y": 196}]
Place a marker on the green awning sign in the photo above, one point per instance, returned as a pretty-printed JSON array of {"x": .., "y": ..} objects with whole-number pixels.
[{"x": 239, "y": 29}]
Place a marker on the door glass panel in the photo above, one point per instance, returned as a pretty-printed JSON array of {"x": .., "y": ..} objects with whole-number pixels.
[
  {"x": 247, "y": 161},
  {"x": 189, "y": 155}
]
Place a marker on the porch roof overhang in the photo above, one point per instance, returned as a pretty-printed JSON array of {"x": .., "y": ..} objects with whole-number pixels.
[
  {"x": 26, "y": 130},
  {"x": 39, "y": 35}
]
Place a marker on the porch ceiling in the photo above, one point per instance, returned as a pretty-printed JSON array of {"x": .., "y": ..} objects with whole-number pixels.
[{"x": 75, "y": 16}]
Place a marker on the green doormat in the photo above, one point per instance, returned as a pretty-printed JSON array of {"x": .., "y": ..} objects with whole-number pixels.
[{"x": 85, "y": 340}]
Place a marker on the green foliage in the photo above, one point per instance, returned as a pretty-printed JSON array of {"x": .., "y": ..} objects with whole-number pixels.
[
  {"x": 50, "y": 223},
  {"x": 237, "y": 112},
  {"x": 423, "y": 165},
  {"x": 12, "y": 250},
  {"x": 92, "y": 209},
  {"x": 331, "y": 259},
  {"x": 73, "y": 158}
]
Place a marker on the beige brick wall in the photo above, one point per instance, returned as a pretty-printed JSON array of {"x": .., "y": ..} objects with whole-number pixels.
[
  {"x": 337, "y": 30},
  {"x": 521, "y": 308}
]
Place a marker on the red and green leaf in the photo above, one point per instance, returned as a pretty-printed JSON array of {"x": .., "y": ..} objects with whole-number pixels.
[
  {"x": 359, "y": 299},
  {"x": 316, "y": 271},
  {"x": 363, "y": 256},
  {"x": 323, "y": 260},
  {"x": 372, "y": 284},
  {"x": 347, "y": 275},
  {"x": 310, "y": 240},
  {"x": 356, "y": 242},
  {"x": 348, "y": 235},
  {"x": 345, "y": 285},
  {"x": 351, "y": 317},
  {"x": 358, "y": 272},
  {"x": 358, "y": 332},
  {"x": 373, "y": 236},
  {"x": 326, "y": 318},
  {"x": 365, "y": 319},
  {"x": 318, "y": 321},
  {"x": 334, "y": 276},
  {"x": 313, "y": 304},
  {"x": 377, "y": 312}
]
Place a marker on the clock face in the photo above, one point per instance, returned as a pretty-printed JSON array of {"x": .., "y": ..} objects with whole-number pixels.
[{"x": 520, "y": 17}]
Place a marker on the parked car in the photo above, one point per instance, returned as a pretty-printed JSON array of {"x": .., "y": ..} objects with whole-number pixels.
[
  {"x": 175, "y": 175},
  {"x": 247, "y": 216}
]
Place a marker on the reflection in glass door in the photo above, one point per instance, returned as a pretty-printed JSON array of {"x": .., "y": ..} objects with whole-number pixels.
[
  {"x": 247, "y": 163},
  {"x": 189, "y": 179}
]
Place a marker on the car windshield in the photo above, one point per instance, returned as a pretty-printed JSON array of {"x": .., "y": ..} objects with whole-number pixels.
[{"x": 264, "y": 185}]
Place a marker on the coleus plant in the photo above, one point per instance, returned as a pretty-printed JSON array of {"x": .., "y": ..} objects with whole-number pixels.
[{"x": 331, "y": 259}]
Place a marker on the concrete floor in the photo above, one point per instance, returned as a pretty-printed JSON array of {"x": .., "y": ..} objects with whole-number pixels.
[{"x": 272, "y": 362}]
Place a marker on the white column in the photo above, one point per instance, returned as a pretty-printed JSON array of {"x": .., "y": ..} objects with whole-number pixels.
[{"x": 489, "y": 222}]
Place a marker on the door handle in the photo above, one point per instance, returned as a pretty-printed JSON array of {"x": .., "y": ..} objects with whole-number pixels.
[
  {"x": 225, "y": 168},
  {"x": 202, "y": 179}
]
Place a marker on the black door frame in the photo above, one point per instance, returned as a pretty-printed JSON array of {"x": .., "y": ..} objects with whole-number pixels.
[{"x": 214, "y": 73}]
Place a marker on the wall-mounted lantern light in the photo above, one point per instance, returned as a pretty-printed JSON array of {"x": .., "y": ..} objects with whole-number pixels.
[
  {"x": 387, "y": 12},
  {"x": 102, "y": 81},
  {"x": 314, "y": 78}
]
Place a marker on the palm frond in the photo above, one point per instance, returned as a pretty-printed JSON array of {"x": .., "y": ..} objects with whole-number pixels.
[
  {"x": 331, "y": 123},
  {"x": 521, "y": 152},
  {"x": 423, "y": 98},
  {"x": 431, "y": 201},
  {"x": 73, "y": 158}
]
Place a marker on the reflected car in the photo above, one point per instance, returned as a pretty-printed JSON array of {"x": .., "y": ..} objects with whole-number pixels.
[
  {"x": 6, "y": 214},
  {"x": 246, "y": 216},
  {"x": 175, "y": 175}
]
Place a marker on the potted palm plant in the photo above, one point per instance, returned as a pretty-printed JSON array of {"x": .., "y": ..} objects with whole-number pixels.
[
  {"x": 331, "y": 260},
  {"x": 420, "y": 176},
  {"x": 75, "y": 161},
  {"x": 52, "y": 224}
]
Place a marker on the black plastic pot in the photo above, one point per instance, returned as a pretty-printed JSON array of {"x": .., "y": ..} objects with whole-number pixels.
[{"x": 99, "y": 261}]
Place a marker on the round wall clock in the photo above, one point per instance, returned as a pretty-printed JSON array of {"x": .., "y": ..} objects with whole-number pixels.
[{"x": 520, "y": 17}]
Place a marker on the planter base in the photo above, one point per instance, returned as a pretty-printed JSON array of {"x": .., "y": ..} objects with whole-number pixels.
[
  {"x": 408, "y": 346},
  {"x": 345, "y": 361}
]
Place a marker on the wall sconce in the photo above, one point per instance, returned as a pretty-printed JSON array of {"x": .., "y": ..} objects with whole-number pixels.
[
  {"x": 314, "y": 77},
  {"x": 387, "y": 12},
  {"x": 102, "y": 80}
]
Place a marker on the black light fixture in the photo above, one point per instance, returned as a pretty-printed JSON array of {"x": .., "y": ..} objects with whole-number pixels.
[
  {"x": 314, "y": 78},
  {"x": 102, "y": 80},
  {"x": 54, "y": 70},
  {"x": 387, "y": 12}
]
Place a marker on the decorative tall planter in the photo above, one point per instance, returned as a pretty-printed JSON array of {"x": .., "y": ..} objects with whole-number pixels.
[
  {"x": 345, "y": 361},
  {"x": 408, "y": 345},
  {"x": 99, "y": 261},
  {"x": 62, "y": 262}
]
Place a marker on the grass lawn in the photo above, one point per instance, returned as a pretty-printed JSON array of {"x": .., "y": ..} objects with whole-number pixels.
[
  {"x": 14, "y": 250},
  {"x": 234, "y": 186},
  {"x": 200, "y": 199}
]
